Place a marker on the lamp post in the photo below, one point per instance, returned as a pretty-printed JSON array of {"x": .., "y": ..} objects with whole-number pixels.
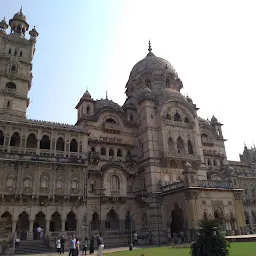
[
  {"x": 130, "y": 219},
  {"x": 100, "y": 192}
]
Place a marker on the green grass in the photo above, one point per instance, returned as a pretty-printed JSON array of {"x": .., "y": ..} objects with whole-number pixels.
[{"x": 236, "y": 249}]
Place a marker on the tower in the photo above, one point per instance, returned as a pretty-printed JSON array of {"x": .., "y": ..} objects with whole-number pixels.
[{"x": 16, "y": 55}]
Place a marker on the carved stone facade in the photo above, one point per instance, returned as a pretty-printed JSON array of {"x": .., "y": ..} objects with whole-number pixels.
[{"x": 152, "y": 157}]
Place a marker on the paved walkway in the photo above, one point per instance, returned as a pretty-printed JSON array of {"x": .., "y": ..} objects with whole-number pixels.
[{"x": 119, "y": 249}]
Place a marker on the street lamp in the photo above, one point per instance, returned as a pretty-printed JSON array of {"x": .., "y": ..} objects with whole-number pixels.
[
  {"x": 100, "y": 193},
  {"x": 130, "y": 219}
]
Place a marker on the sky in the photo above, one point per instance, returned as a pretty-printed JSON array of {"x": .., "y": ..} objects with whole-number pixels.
[{"x": 93, "y": 44}]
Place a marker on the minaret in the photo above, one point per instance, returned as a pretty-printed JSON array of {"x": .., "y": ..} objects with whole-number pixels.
[{"x": 16, "y": 65}]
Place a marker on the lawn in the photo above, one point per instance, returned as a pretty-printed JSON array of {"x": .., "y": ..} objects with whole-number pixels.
[{"x": 236, "y": 249}]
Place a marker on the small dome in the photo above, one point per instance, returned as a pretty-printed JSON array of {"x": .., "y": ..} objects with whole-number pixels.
[
  {"x": 214, "y": 119},
  {"x": 87, "y": 94},
  {"x": 187, "y": 166},
  {"x": 20, "y": 16}
]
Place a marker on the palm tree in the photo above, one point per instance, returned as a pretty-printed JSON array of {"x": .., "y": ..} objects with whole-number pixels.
[{"x": 210, "y": 241}]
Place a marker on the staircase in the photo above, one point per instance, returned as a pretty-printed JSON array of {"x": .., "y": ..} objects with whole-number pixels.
[{"x": 32, "y": 247}]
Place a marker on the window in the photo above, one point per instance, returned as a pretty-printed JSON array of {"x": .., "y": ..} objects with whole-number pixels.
[
  {"x": 114, "y": 183},
  {"x": 8, "y": 104},
  {"x": 148, "y": 83},
  {"x": 27, "y": 183},
  {"x": 177, "y": 117},
  {"x": 13, "y": 68},
  {"x": 88, "y": 110},
  {"x": 10, "y": 182},
  {"x": 21, "y": 53},
  {"x": 119, "y": 153},
  {"x": 45, "y": 142},
  {"x": 74, "y": 184},
  {"x": 190, "y": 147},
  {"x": 92, "y": 186},
  {"x": 44, "y": 182},
  {"x": 73, "y": 146},
  {"x": 59, "y": 183},
  {"x": 15, "y": 140},
  {"x": 60, "y": 145},
  {"x": 15, "y": 52},
  {"x": 10, "y": 85},
  {"x": 10, "y": 51},
  {"x": 186, "y": 120},
  {"x": 110, "y": 120},
  {"x": 131, "y": 117},
  {"x": 103, "y": 151},
  {"x": 92, "y": 149},
  {"x": 111, "y": 152},
  {"x": 170, "y": 144},
  {"x": 168, "y": 117},
  {"x": 168, "y": 83},
  {"x": 180, "y": 145}
]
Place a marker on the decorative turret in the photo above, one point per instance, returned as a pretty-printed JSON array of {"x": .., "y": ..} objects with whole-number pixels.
[
  {"x": 190, "y": 176},
  {"x": 19, "y": 23},
  {"x": 217, "y": 126},
  {"x": 3, "y": 26},
  {"x": 33, "y": 35}
]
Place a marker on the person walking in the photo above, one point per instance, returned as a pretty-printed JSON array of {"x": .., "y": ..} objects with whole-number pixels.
[
  {"x": 92, "y": 245},
  {"x": 58, "y": 245},
  {"x": 62, "y": 243},
  {"x": 100, "y": 244},
  {"x": 72, "y": 246},
  {"x": 85, "y": 245},
  {"x": 77, "y": 247}
]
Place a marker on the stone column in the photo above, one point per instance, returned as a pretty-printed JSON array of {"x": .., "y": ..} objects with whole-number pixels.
[
  {"x": 47, "y": 227},
  {"x": 63, "y": 221},
  {"x": 239, "y": 209},
  {"x": 14, "y": 223},
  {"x": 30, "y": 231}
]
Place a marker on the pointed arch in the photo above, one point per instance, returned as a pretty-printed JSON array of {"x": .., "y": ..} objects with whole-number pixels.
[
  {"x": 180, "y": 145},
  {"x": 103, "y": 151},
  {"x": 119, "y": 153},
  {"x": 31, "y": 141},
  {"x": 71, "y": 222},
  {"x": 45, "y": 142},
  {"x": 73, "y": 146},
  {"x": 111, "y": 152},
  {"x": 177, "y": 117},
  {"x": 15, "y": 140},
  {"x": 55, "y": 223},
  {"x": 170, "y": 144},
  {"x": 112, "y": 220},
  {"x": 1, "y": 138}
]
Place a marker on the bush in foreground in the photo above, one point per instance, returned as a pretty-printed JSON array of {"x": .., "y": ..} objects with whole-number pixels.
[{"x": 210, "y": 241}]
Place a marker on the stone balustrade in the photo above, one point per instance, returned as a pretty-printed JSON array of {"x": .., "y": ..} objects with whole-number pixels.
[{"x": 176, "y": 154}]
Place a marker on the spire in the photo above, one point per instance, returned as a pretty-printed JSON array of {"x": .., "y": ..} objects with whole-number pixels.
[
  {"x": 21, "y": 8},
  {"x": 149, "y": 46},
  {"x": 106, "y": 95}
]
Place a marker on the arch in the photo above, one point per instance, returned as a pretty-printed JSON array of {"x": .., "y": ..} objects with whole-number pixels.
[
  {"x": 71, "y": 222},
  {"x": 73, "y": 146},
  {"x": 74, "y": 184},
  {"x": 8, "y": 104},
  {"x": 15, "y": 140},
  {"x": 7, "y": 218},
  {"x": 168, "y": 117},
  {"x": 111, "y": 152},
  {"x": 10, "y": 85},
  {"x": 10, "y": 181},
  {"x": 10, "y": 51},
  {"x": 1, "y": 138},
  {"x": 92, "y": 185},
  {"x": 112, "y": 220},
  {"x": 39, "y": 221},
  {"x": 168, "y": 83},
  {"x": 59, "y": 183},
  {"x": 55, "y": 223},
  {"x": 44, "y": 181},
  {"x": 190, "y": 148},
  {"x": 186, "y": 120},
  {"x": 31, "y": 141},
  {"x": 131, "y": 117},
  {"x": 177, "y": 221},
  {"x": 22, "y": 226},
  {"x": 95, "y": 223},
  {"x": 214, "y": 162},
  {"x": 177, "y": 117},
  {"x": 27, "y": 182},
  {"x": 88, "y": 110},
  {"x": 60, "y": 145},
  {"x": 18, "y": 29},
  {"x": 21, "y": 53},
  {"x": 13, "y": 68},
  {"x": 180, "y": 145},
  {"x": 218, "y": 213},
  {"x": 103, "y": 151},
  {"x": 45, "y": 142},
  {"x": 170, "y": 144},
  {"x": 119, "y": 153},
  {"x": 114, "y": 183}
]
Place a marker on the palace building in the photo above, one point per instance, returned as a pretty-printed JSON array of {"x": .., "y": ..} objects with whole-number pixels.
[{"x": 153, "y": 158}]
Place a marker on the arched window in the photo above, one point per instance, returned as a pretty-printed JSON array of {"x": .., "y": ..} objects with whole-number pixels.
[
  {"x": 177, "y": 117},
  {"x": 10, "y": 85},
  {"x": 190, "y": 148},
  {"x": 44, "y": 183},
  {"x": 119, "y": 153},
  {"x": 60, "y": 145},
  {"x": 27, "y": 183},
  {"x": 45, "y": 142},
  {"x": 10, "y": 182},
  {"x": 148, "y": 83},
  {"x": 180, "y": 145},
  {"x": 88, "y": 110},
  {"x": 214, "y": 162},
  {"x": 92, "y": 186},
  {"x": 74, "y": 184},
  {"x": 209, "y": 162},
  {"x": 21, "y": 53},
  {"x": 73, "y": 146},
  {"x": 131, "y": 117},
  {"x": 114, "y": 183},
  {"x": 103, "y": 151},
  {"x": 10, "y": 51},
  {"x": 186, "y": 120},
  {"x": 15, "y": 140},
  {"x": 111, "y": 152},
  {"x": 111, "y": 120},
  {"x": 13, "y": 68},
  {"x": 1, "y": 138},
  {"x": 8, "y": 104},
  {"x": 168, "y": 117},
  {"x": 168, "y": 83},
  {"x": 59, "y": 183},
  {"x": 31, "y": 141},
  {"x": 15, "y": 52}
]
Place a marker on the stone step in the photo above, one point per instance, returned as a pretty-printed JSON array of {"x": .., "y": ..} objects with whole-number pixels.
[{"x": 32, "y": 247}]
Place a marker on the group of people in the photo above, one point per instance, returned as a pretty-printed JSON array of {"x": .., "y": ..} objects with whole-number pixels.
[{"x": 75, "y": 246}]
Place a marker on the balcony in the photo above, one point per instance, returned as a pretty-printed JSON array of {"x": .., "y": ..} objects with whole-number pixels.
[
  {"x": 173, "y": 186},
  {"x": 94, "y": 157},
  {"x": 112, "y": 127},
  {"x": 182, "y": 155},
  {"x": 14, "y": 150}
]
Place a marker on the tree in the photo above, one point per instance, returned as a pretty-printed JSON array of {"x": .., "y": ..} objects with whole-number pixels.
[{"x": 210, "y": 241}]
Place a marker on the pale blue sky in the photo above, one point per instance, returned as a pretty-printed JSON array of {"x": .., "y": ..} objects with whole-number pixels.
[{"x": 95, "y": 43}]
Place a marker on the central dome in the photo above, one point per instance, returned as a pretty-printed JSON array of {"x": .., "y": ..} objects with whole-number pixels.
[{"x": 152, "y": 63}]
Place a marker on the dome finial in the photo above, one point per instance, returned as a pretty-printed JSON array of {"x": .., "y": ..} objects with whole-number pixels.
[
  {"x": 106, "y": 95},
  {"x": 21, "y": 8},
  {"x": 149, "y": 46}
]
